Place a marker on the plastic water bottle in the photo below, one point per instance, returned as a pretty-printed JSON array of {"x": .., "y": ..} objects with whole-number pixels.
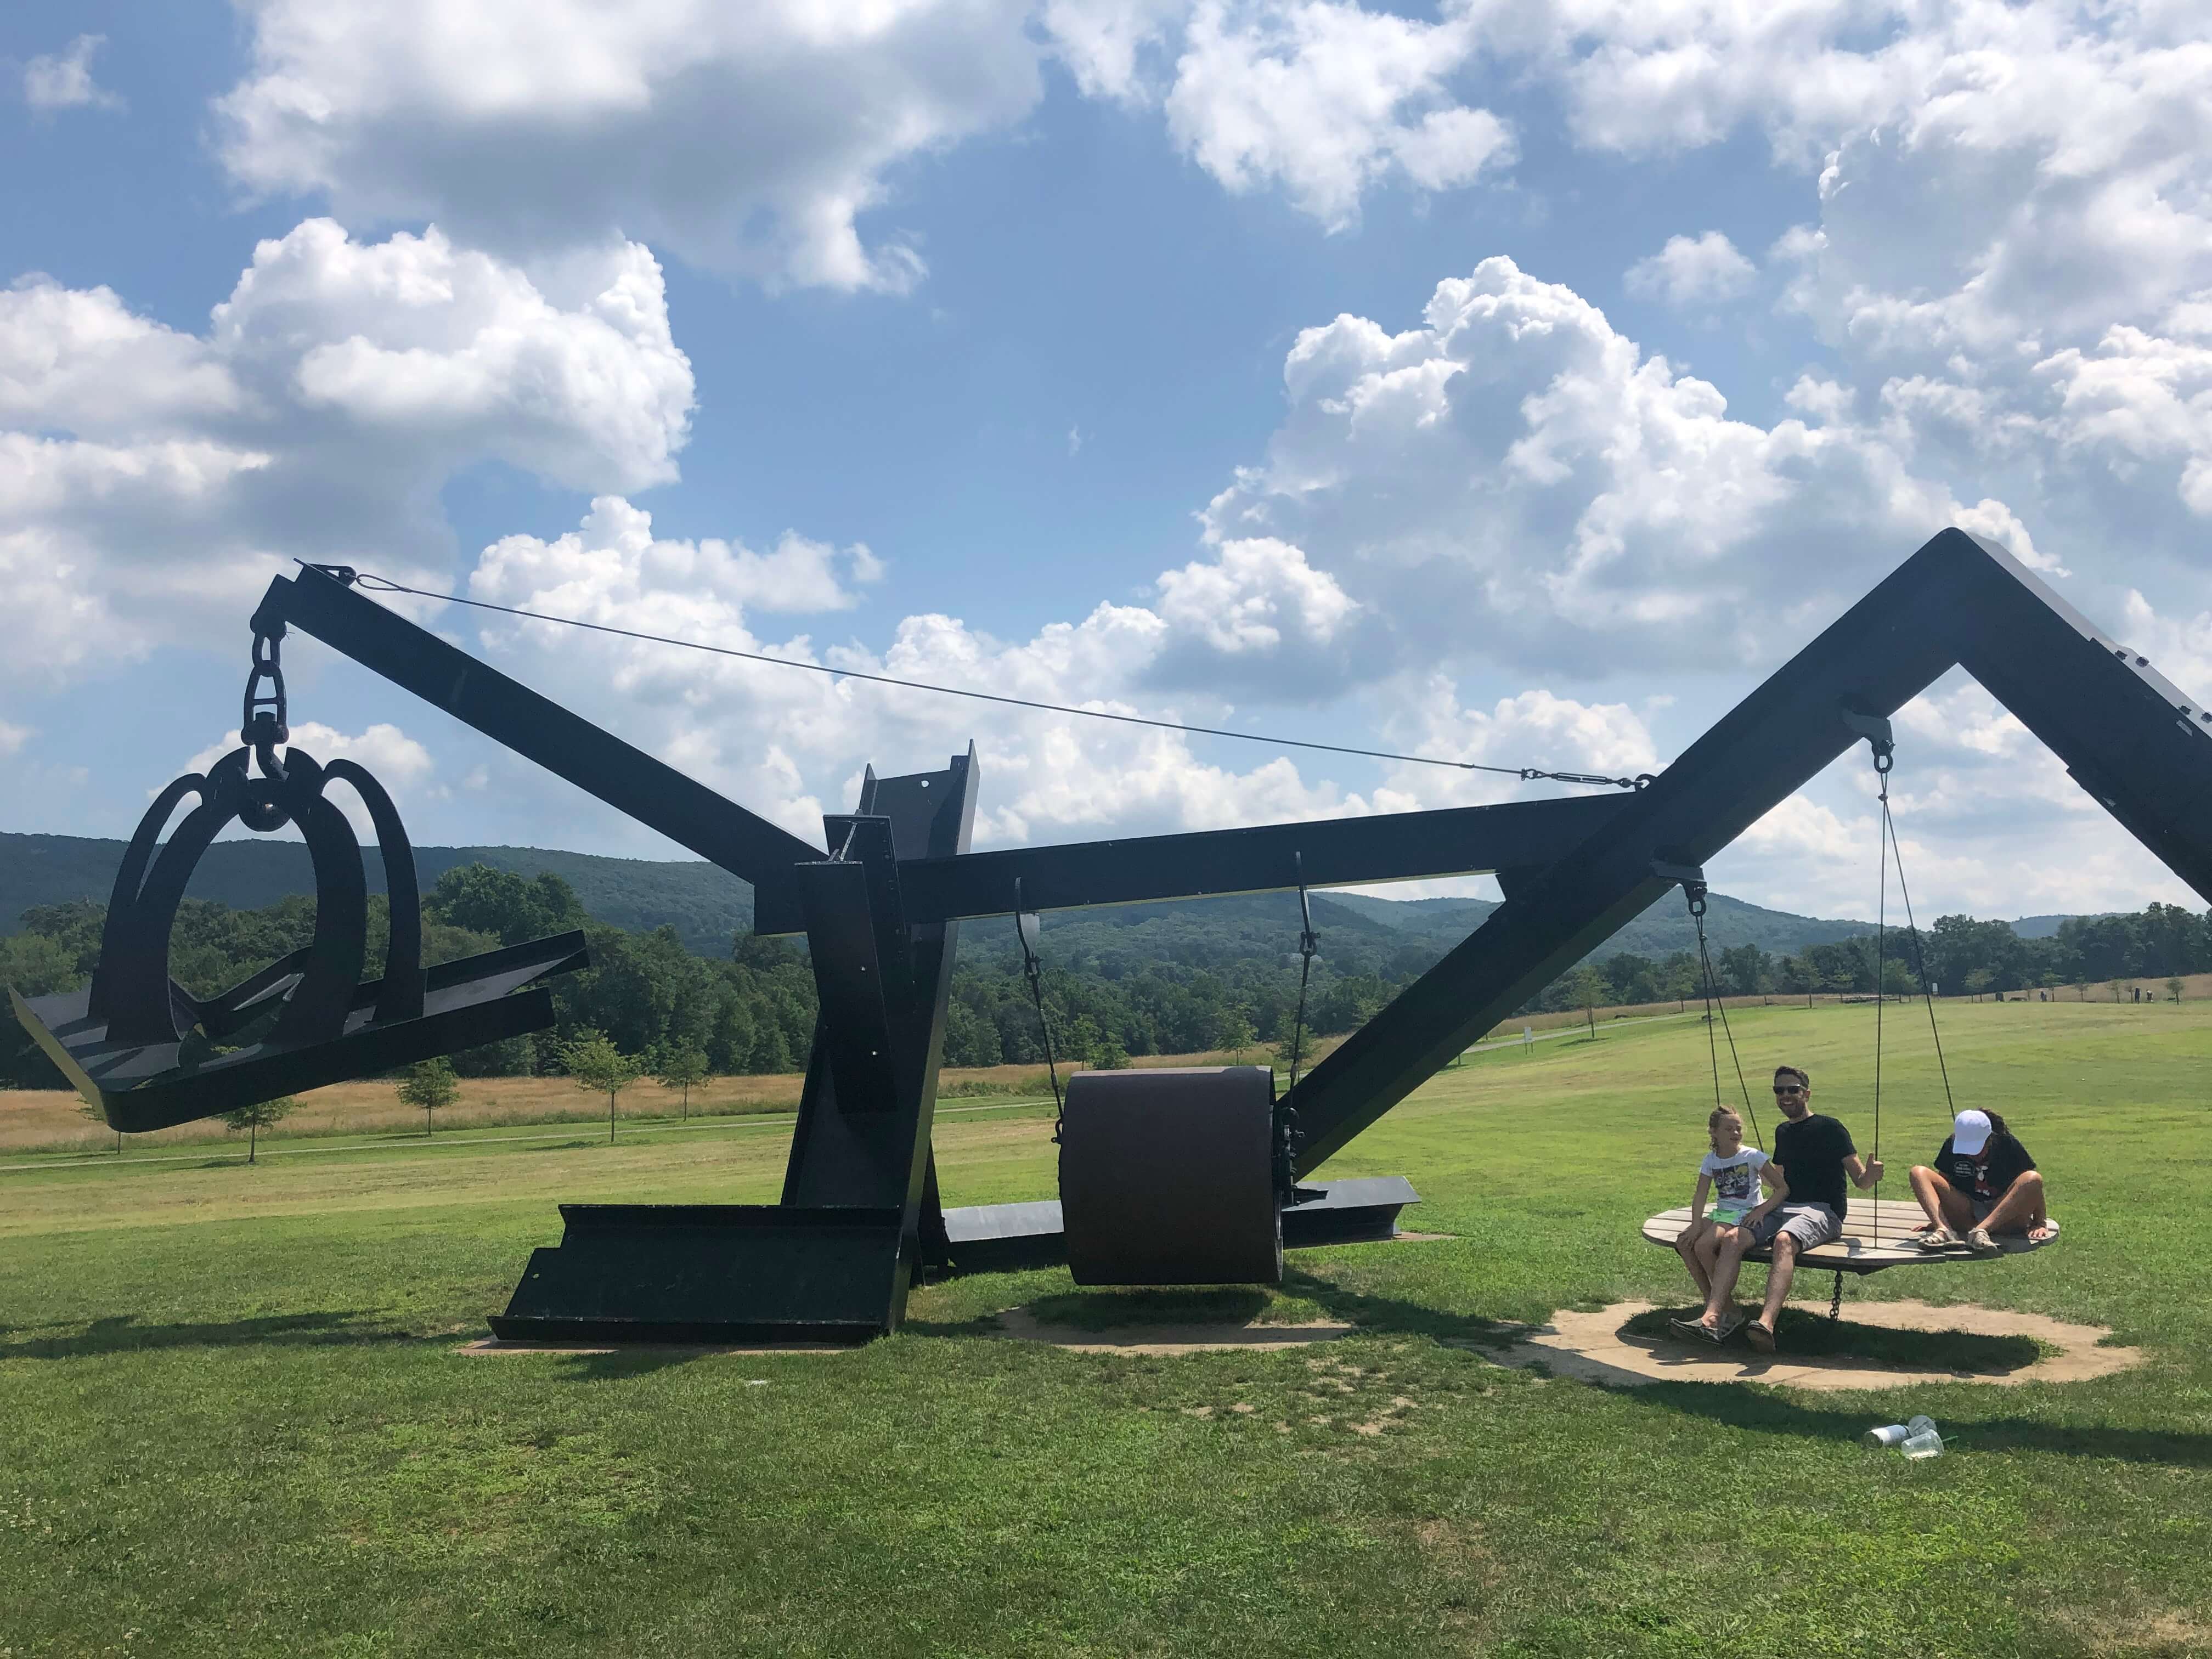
[
  {"x": 1890, "y": 1434},
  {"x": 1919, "y": 1426},
  {"x": 1924, "y": 1444}
]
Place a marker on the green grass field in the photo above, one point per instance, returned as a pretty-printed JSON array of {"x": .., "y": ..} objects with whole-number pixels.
[{"x": 233, "y": 1420}]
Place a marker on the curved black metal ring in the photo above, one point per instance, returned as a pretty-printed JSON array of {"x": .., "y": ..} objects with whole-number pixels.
[
  {"x": 401, "y": 997},
  {"x": 131, "y": 987}
]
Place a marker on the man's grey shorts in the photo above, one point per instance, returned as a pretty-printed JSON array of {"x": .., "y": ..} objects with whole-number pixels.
[{"x": 1808, "y": 1223}]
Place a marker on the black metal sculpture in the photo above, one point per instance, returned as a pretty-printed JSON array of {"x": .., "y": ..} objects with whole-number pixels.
[
  {"x": 150, "y": 1055},
  {"x": 860, "y": 1212}
]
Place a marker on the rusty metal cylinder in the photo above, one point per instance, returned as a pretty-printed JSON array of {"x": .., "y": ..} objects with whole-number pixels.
[{"x": 1167, "y": 1176}]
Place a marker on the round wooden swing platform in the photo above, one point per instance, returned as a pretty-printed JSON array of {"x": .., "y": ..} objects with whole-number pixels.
[{"x": 1877, "y": 1234}]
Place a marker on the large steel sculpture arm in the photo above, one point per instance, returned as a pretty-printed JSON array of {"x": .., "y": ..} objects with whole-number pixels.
[
  {"x": 2127, "y": 735},
  {"x": 508, "y": 712},
  {"x": 1387, "y": 847}
]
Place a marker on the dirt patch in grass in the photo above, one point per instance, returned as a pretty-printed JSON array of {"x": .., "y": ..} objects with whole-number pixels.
[{"x": 1884, "y": 1344}]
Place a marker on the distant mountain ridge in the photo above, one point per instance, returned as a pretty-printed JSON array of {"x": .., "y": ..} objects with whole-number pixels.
[
  {"x": 707, "y": 906},
  {"x": 704, "y": 903}
]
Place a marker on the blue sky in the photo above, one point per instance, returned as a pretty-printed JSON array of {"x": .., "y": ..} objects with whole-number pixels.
[{"x": 1515, "y": 383}]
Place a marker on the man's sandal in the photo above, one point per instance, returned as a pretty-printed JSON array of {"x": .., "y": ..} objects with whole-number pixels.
[
  {"x": 1939, "y": 1237},
  {"x": 1759, "y": 1337}
]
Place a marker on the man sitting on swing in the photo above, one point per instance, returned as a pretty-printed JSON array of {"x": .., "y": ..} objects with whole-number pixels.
[
  {"x": 1815, "y": 1153},
  {"x": 1984, "y": 1183}
]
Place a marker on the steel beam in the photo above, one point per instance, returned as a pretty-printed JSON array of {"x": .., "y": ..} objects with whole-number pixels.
[
  {"x": 568, "y": 745},
  {"x": 2147, "y": 750},
  {"x": 1336, "y": 852}
]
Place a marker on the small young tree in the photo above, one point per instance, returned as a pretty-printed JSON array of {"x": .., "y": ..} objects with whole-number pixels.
[
  {"x": 680, "y": 1069},
  {"x": 596, "y": 1064},
  {"x": 264, "y": 1115},
  {"x": 2172, "y": 989},
  {"x": 1235, "y": 1030},
  {"x": 1586, "y": 989},
  {"x": 429, "y": 1085}
]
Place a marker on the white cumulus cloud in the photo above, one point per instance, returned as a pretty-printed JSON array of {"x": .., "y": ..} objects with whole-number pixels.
[
  {"x": 58, "y": 80},
  {"x": 749, "y": 139},
  {"x": 151, "y": 481},
  {"x": 1515, "y": 480},
  {"x": 1693, "y": 271}
]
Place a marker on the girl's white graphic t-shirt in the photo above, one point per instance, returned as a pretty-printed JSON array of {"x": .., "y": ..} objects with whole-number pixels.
[{"x": 1735, "y": 1182}]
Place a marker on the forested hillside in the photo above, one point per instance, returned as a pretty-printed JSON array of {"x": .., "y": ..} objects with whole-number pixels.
[{"x": 1136, "y": 980}]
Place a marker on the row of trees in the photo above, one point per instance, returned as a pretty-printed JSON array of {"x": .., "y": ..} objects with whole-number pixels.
[{"x": 649, "y": 1003}]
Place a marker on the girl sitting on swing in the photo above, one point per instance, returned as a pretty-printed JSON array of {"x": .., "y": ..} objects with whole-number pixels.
[{"x": 1730, "y": 1174}]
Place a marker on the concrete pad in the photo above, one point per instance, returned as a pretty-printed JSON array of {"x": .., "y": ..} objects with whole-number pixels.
[
  {"x": 1166, "y": 1338},
  {"x": 1594, "y": 1347}
]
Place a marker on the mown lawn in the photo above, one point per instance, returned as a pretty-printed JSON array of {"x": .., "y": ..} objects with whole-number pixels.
[{"x": 233, "y": 1419}]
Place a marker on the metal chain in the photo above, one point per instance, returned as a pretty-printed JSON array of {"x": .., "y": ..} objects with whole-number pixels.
[{"x": 265, "y": 719}]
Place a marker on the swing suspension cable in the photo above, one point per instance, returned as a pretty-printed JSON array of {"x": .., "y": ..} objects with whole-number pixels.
[
  {"x": 1892, "y": 852},
  {"x": 1696, "y": 896},
  {"x": 1884, "y": 758},
  {"x": 375, "y": 584},
  {"x": 1308, "y": 947},
  {"x": 1919, "y": 958},
  {"x": 1033, "y": 971}
]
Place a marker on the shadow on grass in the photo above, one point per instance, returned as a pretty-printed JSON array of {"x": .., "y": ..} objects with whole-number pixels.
[
  {"x": 1803, "y": 1335},
  {"x": 1774, "y": 1412},
  {"x": 123, "y": 1334},
  {"x": 1099, "y": 1311}
]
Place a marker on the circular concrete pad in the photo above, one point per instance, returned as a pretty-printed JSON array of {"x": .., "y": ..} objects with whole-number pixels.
[{"x": 1594, "y": 1347}]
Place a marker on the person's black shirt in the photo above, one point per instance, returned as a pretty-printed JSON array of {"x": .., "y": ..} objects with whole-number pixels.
[
  {"x": 1811, "y": 1151},
  {"x": 1987, "y": 1174}
]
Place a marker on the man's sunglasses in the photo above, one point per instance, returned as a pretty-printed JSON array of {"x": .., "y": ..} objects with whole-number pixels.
[{"x": 1789, "y": 1088}]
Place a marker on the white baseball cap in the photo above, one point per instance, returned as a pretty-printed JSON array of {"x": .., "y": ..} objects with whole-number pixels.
[{"x": 1970, "y": 1133}]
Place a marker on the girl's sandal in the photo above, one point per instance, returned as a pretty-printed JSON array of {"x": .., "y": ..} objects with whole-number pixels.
[{"x": 1939, "y": 1237}]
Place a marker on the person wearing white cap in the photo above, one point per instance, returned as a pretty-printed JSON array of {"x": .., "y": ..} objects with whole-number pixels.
[{"x": 1983, "y": 1183}]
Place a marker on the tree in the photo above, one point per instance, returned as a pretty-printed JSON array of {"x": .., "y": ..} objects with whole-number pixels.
[
  {"x": 2172, "y": 989},
  {"x": 429, "y": 1084},
  {"x": 680, "y": 1069},
  {"x": 263, "y": 1115},
  {"x": 1977, "y": 980},
  {"x": 1235, "y": 1030},
  {"x": 1586, "y": 989},
  {"x": 598, "y": 1065}
]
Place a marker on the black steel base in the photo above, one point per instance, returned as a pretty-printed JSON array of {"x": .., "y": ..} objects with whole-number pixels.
[
  {"x": 1006, "y": 1237},
  {"x": 709, "y": 1274}
]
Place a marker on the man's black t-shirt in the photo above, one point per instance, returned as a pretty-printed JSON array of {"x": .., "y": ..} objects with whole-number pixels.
[
  {"x": 1811, "y": 1151},
  {"x": 1987, "y": 1174}
]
